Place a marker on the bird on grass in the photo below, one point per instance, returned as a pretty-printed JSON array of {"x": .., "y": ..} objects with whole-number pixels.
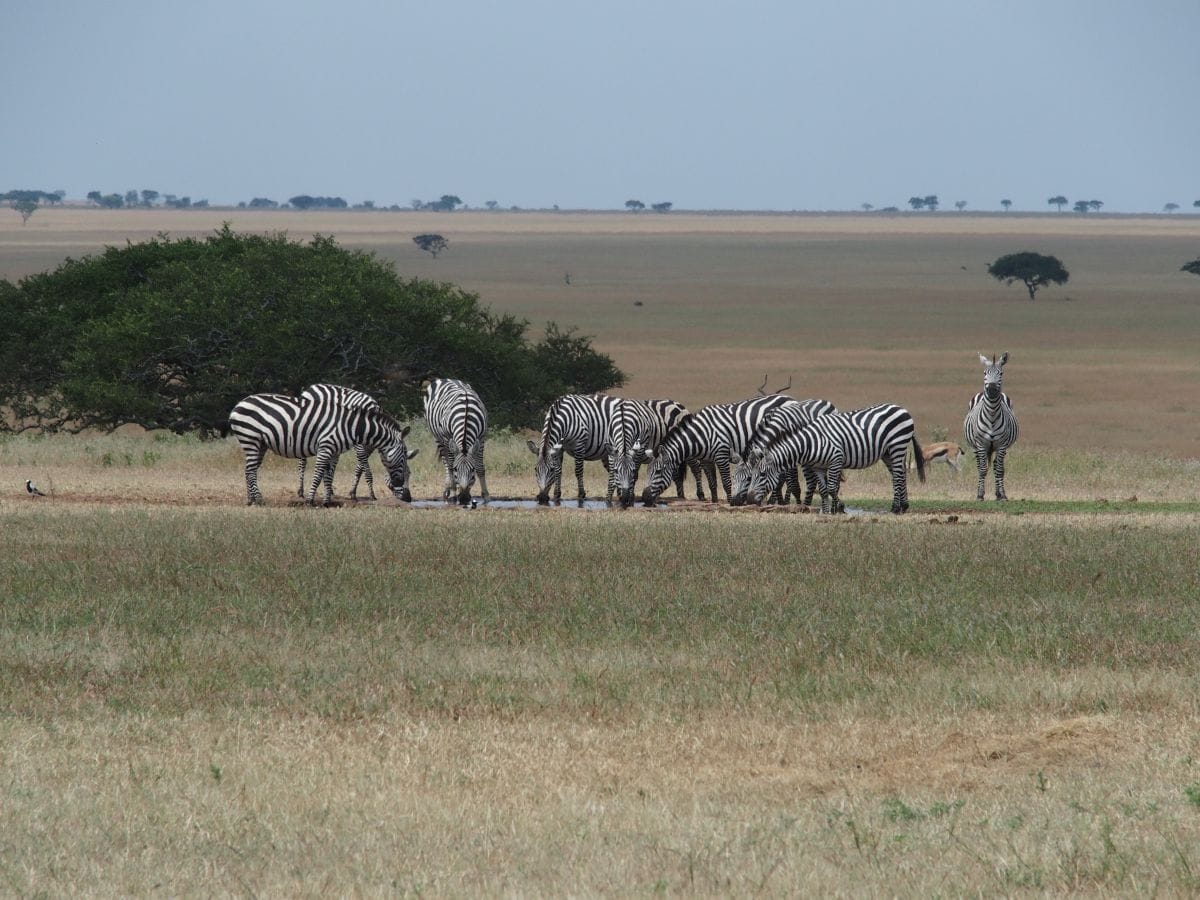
[{"x": 31, "y": 489}]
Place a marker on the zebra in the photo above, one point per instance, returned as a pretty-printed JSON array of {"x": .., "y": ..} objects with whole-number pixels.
[
  {"x": 991, "y": 425},
  {"x": 634, "y": 430},
  {"x": 711, "y": 434},
  {"x": 458, "y": 420},
  {"x": 773, "y": 460},
  {"x": 783, "y": 419},
  {"x": 864, "y": 437},
  {"x": 350, "y": 398},
  {"x": 577, "y": 424},
  {"x": 295, "y": 428}
]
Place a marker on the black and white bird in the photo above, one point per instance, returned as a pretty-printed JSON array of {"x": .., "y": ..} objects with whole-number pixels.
[{"x": 31, "y": 489}]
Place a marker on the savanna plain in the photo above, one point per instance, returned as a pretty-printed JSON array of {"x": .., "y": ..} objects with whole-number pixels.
[{"x": 200, "y": 698}]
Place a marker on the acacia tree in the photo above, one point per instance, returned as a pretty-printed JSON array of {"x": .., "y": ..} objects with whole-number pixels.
[
  {"x": 172, "y": 333},
  {"x": 634, "y": 205},
  {"x": 26, "y": 208},
  {"x": 1193, "y": 266},
  {"x": 1058, "y": 200},
  {"x": 1006, "y": 204},
  {"x": 1033, "y": 269},
  {"x": 431, "y": 243}
]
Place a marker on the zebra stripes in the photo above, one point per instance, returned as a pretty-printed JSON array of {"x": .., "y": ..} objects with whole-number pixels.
[
  {"x": 351, "y": 399},
  {"x": 786, "y": 418},
  {"x": 774, "y": 460},
  {"x": 712, "y": 434},
  {"x": 991, "y": 425},
  {"x": 458, "y": 420},
  {"x": 634, "y": 431},
  {"x": 577, "y": 424},
  {"x": 858, "y": 439},
  {"x": 294, "y": 427}
]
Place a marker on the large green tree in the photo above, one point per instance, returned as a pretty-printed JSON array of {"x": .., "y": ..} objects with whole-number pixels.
[
  {"x": 172, "y": 333},
  {"x": 1032, "y": 269}
]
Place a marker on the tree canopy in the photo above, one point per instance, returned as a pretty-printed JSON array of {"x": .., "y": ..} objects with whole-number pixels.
[
  {"x": 172, "y": 333},
  {"x": 1033, "y": 269},
  {"x": 1193, "y": 266}
]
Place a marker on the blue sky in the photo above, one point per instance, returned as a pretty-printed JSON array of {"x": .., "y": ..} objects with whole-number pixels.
[{"x": 752, "y": 105}]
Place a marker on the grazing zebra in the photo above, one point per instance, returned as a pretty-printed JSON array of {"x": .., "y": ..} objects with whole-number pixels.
[
  {"x": 295, "y": 428},
  {"x": 352, "y": 399},
  {"x": 774, "y": 460},
  {"x": 577, "y": 424},
  {"x": 712, "y": 435},
  {"x": 862, "y": 437},
  {"x": 458, "y": 420},
  {"x": 991, "y": 425},
  {"x": 785, "y": 418},
  {"x": 633, "y": 429}
]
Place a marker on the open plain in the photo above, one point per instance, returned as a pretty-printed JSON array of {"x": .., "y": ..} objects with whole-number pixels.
[{"x": 200, "y": 698}]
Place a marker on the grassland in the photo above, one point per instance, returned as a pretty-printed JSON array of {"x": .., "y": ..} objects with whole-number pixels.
[{"x": 199, "y": 698}]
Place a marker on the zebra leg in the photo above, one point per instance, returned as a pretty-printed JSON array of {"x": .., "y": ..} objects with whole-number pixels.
[
  {"x": 444, "y": 454},
  {"x": 300, "y": 490},
  {"x": 981, "y": 460},
  {"x": 363, "y": 468},
  {"x": 810, "y": 485},
  {"x": 680, "y": 475},
  {"x": 696, "y": 469},
  {"x": 998, "y": 473},
  {"x": 481, "y": 473},
  {"x": 254, "y": 459},
  {"x": 710, "y": 472},
  {"x": 832, "y": 482},
  {"x": 899, "y": 483},
  {"x": 582, "y": 495},
  {"x": 722, "y": 464}
]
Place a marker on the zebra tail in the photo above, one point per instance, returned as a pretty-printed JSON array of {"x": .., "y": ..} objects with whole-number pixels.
[{"x": 920, "y": 458}]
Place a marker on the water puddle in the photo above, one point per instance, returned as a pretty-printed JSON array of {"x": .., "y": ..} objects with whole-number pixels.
[{"x": 517, "y": 503}]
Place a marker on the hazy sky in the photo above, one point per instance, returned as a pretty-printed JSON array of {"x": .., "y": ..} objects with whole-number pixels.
[{"x": 735, "y": 105}]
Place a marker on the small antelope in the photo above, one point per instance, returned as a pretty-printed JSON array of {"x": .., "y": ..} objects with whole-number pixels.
[{"x": 945, "y": 451}]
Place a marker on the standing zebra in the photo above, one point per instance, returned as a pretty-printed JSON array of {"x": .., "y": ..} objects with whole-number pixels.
[
  {"x": 712, "y": 435},
  {"x": 296, "y": 428},
  {"x": 577, "y": 424},
  {"x": 634, "y": 430},
  {"x": 861, "y": 438},
  {"x": 458, "y": 420},
  {"x": 991, "y": 425},
  {"x": 352, "y": 399},
  {"x": 772, "y": 461},
  {"x": 783, "y": 419}
]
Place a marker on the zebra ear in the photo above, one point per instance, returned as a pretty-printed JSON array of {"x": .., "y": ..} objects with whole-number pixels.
[
  {"x": 412, "y": 453},
  {"x": 532, "y": 447},
  {"x": 1004, "y": 358},
  {"x": 405, "y": 430},
  {"x": 983, "y": 359}
]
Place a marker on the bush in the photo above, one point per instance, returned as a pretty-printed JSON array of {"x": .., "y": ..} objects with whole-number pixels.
[{"x": 172, "y": 333}]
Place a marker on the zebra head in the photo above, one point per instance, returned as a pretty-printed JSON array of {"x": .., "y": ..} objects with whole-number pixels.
[
  {"x": 762, "y": 475},
  {"x": 993, "y": 375},
  {"x": 623, "y": 464},
  {"x": 742, "y": 470},
  {"x": 395, "y": 456},
  {"x": 548, "y": 468},
  {"x": 659, "y": 475},
  {"x": 462, "y": 465}
]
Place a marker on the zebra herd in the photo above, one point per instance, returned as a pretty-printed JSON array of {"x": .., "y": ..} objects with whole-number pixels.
[{"x": 758, "y": 447}]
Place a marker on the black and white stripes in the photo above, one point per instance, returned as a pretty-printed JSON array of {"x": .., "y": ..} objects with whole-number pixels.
[
  {"x": 991, "y": 425},
  {"x": 457, "y": 419},
  {"x": 298, "y": 427}
]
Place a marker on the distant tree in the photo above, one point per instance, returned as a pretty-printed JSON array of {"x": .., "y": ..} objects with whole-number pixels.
[
  {"x": 366, "y": 204},
  {"x": 491, "y": 204},
  {"x": 1033, "y": 269},
  {"x": 263, "y": 203},
  {"x": 26, "y": 208},
  {"x": 661, "y": 207},
  {"x": 95, "y": 197},
  {"x": 867, "y": 207},
  {"x": 431, "y": 243},
  {"x": 634, "y": 205},
  {"x": 1006, "y": 204},
  {"x": 1094, "y": 205},
  {"x": 1082, "y": 206},
  {"x": 131, "y": 198},
  {"x": 960, "y": 205},
  {"x": 931, "y": 202},
  {"x": 177, "y": 202},
  {"x": 1060, "y": 201},
  {"x": 446, "y": 203},
  {"x": 148, "y": 197},
  {"x": 916, "y": 202},
  {"x": 1193, "y": 267},
  {"x": 56, "y": 197},
  {"x": 1196, "y": 203},
  {"x": 112, "y": 201},
  {"x": 1170, "y": 207}
]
